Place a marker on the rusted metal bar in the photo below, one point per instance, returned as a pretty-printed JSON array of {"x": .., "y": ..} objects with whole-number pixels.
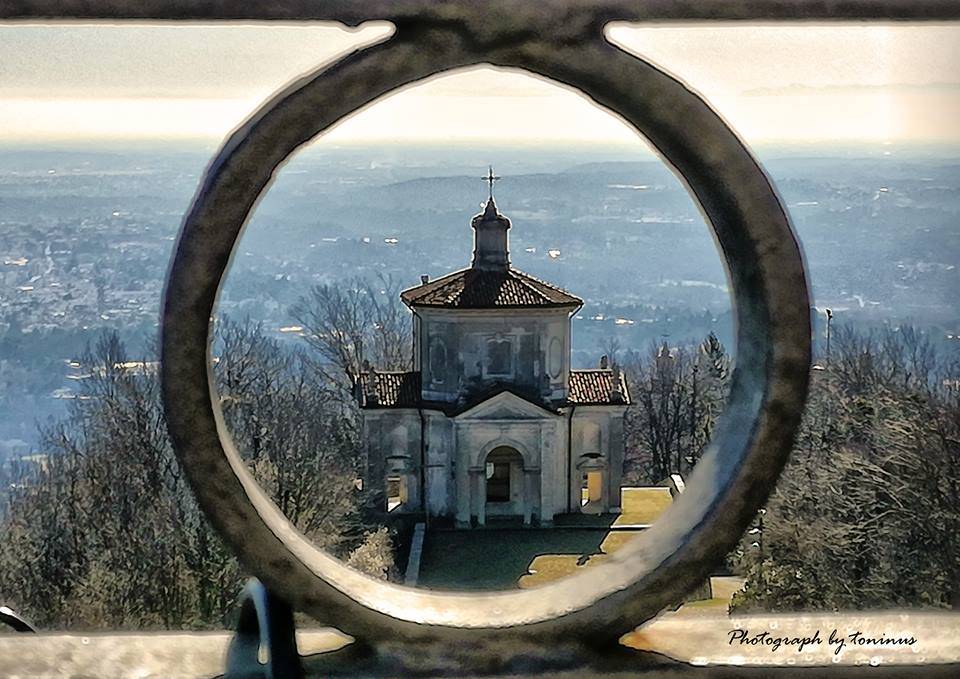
[{"x": 352, "y": 12}]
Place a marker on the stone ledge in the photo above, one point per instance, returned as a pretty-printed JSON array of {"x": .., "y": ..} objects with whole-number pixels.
[
  {"x": 681, "y": 644},
  {"x": 815, "y": 640}
]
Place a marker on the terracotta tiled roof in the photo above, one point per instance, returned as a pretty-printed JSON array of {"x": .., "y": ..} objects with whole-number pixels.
[
  {"x": 402, "y": 390},
  {"x": 484, "y": 289},
  {"x": 596, "y": 387},
  {"x": 392, "y": 389}
]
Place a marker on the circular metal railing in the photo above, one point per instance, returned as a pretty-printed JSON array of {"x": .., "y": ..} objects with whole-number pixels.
[{"x": 752, "y": 438}]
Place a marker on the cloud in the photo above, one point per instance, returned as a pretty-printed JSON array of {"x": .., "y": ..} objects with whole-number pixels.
[{"x": 904, "y": 88}]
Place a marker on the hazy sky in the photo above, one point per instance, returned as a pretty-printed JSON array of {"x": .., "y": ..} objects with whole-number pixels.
[{"x": 845, "y": 83}]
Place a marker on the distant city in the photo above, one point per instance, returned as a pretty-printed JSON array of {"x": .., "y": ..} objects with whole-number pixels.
[{"x": 86, "y": 235}]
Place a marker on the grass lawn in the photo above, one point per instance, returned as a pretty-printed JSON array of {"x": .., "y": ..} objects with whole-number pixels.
[
  {"x": 497, "y": 559},
  {"x": 507, "y": 558},
  {"x": 642, "y": 506}
]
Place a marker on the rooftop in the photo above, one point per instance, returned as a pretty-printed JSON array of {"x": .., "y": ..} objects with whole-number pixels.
[
  {"x": 601, "y": 386},
  {"x": 391, "y": 389},
  {"x": 488, "y": 289},
  {"x": 490, "y": 282}
]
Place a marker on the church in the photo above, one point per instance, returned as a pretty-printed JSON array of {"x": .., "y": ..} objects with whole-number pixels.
[{"x": 492, "y": 422}]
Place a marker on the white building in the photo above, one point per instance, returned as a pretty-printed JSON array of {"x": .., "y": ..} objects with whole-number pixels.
[{"x": 492, "y": 421}]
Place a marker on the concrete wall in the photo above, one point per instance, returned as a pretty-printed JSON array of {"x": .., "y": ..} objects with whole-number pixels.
[
  {"x": 597, "y": 442},
  {"x": 453, "y": 350},
  {"x": 456, "y": 451},
  {"x": 392, "y": 448}
]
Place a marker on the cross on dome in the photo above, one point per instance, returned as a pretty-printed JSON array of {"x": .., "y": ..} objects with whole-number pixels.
[{"x": 490, "y": 179}]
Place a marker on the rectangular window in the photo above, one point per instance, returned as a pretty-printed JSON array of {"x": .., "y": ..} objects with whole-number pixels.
[
  {"x": 595, "y": 486},
  {"x": 592, "y": 488},
  {"x": 438, "y": 360},
  {"x": 499, "y": 357},
  {"x": 396, "y": 492}
]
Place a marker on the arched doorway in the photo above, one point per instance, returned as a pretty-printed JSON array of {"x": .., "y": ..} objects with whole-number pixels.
[{"x": 504, "y": 487}]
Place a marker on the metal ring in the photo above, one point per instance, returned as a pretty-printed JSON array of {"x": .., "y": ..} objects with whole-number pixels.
[
  {"x": 752, "y": 438},
  {"x": 265, "y": 623}
]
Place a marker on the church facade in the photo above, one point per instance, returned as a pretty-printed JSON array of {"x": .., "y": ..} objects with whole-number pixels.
[{"x": 492, "y": 421}]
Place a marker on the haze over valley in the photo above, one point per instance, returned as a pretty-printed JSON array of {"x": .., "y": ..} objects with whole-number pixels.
[{"x": 86, "y": 235}]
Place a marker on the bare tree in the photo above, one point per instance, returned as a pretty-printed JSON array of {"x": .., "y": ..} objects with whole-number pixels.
[
  {"x": 291, "y": 427},
  {"x": 677, "y": 395},
  {"x": 901, "y": 357},
  {"x": 867, "y": 512},
  {"x": 103, "y": 531},
  {"x": 355, "y": 322}
]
